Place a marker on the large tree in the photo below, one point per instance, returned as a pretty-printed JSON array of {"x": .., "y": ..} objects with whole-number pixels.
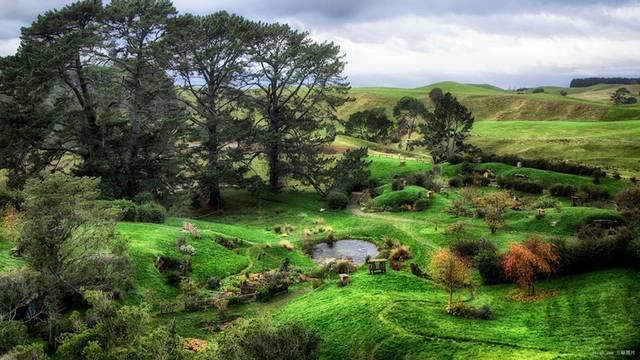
[
  {"x": 68, "y": 239},
  {"x": 209, "y": 56},
  {"x": 131, "y": 32},
  {"x": 299, "y": 83},
  {"x": 445, "y": 130},
  {"x": 408, "y": 112}
]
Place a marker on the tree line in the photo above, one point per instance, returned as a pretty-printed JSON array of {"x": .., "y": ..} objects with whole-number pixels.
[
  {"x": 153, "y": 101},
  {"x": 585, "y": 82}
]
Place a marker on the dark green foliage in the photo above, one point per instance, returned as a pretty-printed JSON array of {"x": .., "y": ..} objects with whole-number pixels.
[
  {"x": 12, "y": 333},
  {"x": 337, "y": 200},
  {"x": 150, "y": 212},
  {"x": 463, "y": 310},
  {"x": 592, "y": 193},
  {"x": 585, "y": 82},
  {"x": 455, "y": 181},
  {"x": 489, "y": 264},
  {"x": 213, "y": 283},
  {"x": 520, "y": 185},
  {"x": 109, "y": 332},
  {"x": 544, "y": 164},
  {"x": 469, "y": 249},
  {"x": 219, "y": 105},
  {"x": 628, "y": 203},
  {"x": 622, "y": 96},
  {"x": 261, "y": 339},
  {"x": 446, "y": 129},
  {"x": 68, "y": 239},
  {"x": 298, "y": 84},
  {"x": 409, "y": 113},
  {"x": 421, "y": 204},
  {"x": 563, "y": 93},
  {"x": 397, "y": 184},
  {"x": 538, "y": 90},
  {"x": 597, "y": 248},
  {"x": 562, "y": 190},
  {"x": 371, "y": 124}
]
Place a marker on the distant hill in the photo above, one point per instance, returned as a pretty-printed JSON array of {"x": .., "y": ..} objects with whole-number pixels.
[{"x": 493, "y": 103}]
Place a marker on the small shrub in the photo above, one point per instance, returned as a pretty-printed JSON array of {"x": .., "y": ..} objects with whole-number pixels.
[
  {"x": 192, "y": 229},
  {"x": 455, "y": 182},
  {"x": 278, "y": 229},
  {"x": 415, "y": 270},
  {"x": 463, "y": 310},
  {"x": 400, "y": 253},
  {"x": 286, "y": 245},
  {"x": 467, "y": 168},
  {"x": 489, "y": 265},
  {"x": 344, "y": 266},
  {"x": 538, "y": 90},
  {"x": 151, "y": 212},
  {"x": 457, "y": 208},
  {"x": 562, "y": 190},
  {"x": 172, "y": 277},
  {"x": 468, "y": 249},
  {"x": 397, "y": 184},
  {"x": 421, "y": 205},
  {"x": 520, "y": 185},
  {"x": 127, "y": 209},
  {"x": 263, "y": 294},
  {"x": 213, "y": 283},
  {"x": 187, "y": 249},
  {"x": 12, "y": 333},
  {"x": 337, "y": 200}
]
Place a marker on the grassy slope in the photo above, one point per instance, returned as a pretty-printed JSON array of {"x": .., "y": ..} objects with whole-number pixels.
[
  {"x": 491, "y": 103},
  {"x": 565, "y": 127},
  {"x": 400, "y": 316}
]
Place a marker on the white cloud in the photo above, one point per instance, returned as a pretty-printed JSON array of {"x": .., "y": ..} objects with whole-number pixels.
[
  {"x": 9, "y": 46},
  {"x": 415, "y": 42}
]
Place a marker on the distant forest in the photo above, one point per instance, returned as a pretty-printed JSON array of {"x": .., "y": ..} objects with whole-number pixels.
[{"x": 575, "y": 83}]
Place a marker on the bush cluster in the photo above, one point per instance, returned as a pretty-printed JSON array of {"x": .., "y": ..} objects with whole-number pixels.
[
  {"x": 146, "y": 212},
  {"x": 562, "y": 190},
  {"x": 520, "y": 185},
  {"x": 598, "y": 248},
  {"x": 546, "y": 164},
  {"x": 463, "y": 310},
  {"x": 592, "y": 193},
  {"x": 337, "y": 200}
]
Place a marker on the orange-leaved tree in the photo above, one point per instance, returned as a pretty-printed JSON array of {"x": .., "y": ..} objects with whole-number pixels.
[
  {"x": 450, "y": 271},
  {"x": 524, "y": 262}
]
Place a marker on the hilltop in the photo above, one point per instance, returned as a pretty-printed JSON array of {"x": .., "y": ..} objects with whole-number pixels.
[{"x": 493, "y": 103}]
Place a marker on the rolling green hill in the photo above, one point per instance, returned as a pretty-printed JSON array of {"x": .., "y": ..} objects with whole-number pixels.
[{"x": 492, "y": 103}]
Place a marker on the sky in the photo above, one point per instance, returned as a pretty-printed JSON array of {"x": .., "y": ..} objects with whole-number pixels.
[{"x": 411, "y": 43}]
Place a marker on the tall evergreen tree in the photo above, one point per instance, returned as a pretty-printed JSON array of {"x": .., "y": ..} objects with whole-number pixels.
[
  {"x": 446, "y": 129},
  {"x": 299, "y": 83},
  {"x": 409, "y": 112},
  {"x": 208, "y": 54},
  {"x": 132, "y": 33}
]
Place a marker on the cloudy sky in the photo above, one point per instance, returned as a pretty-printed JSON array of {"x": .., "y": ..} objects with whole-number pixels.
[{"x": 411, "y": 43}]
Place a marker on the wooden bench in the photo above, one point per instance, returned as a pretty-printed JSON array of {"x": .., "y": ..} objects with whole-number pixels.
[{"x": 377, "y": 266}]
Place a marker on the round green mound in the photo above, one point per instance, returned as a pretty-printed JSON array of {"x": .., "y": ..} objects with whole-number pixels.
[{"x": 392, "y": 198}]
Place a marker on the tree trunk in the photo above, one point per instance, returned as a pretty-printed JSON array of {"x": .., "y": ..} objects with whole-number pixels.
[
  {"x": 274, "y": 166},
  {"x": 51, "y": 338},
  {"x": 213, "y": 182},
  {"x": 450, "y": 296},
  {"x": 132, "y": 186}
]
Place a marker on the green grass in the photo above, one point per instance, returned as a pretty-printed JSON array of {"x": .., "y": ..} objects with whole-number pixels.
[
  {"x": 611, "y": 145},
  {"x": 389, "y": 197},
  {"x": 491, "y": 103},
  {"x": 400, "y": 316}
]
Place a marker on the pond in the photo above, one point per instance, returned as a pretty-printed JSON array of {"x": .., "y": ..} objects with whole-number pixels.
[{"x": 355, "y": 250}]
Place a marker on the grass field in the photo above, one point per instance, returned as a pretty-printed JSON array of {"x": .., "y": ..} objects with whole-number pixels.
[
  {"x": 396, "y": 315},
  {"x": 491, "y": 103}
]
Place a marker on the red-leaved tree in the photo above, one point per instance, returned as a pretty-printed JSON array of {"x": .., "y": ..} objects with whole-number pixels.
[{"x": 525, "y": 262}]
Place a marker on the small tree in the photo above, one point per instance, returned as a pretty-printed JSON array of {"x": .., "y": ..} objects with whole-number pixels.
[
  {"x": 371, "y": 124},
  {"x": 524, "y": 262},
  {"x": 408, "y": 112},
  {"x": 435, "y": 95},
  {"x": 493, "y": 206},
  {"x": 68, "y": 240},
  {"x": 457, "y": 229},
  {"x": 622, "y": 96},
  {"x": 445, "y": 131},
  {"x": 450, "y": 271}
]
